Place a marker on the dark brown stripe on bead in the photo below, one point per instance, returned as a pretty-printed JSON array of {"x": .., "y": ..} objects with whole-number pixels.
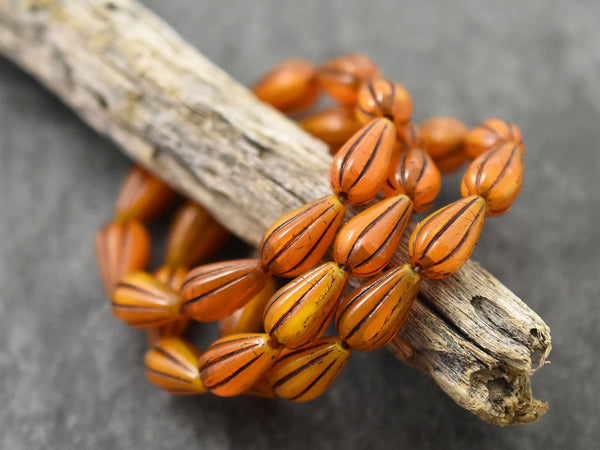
[
  {"x": 174, "y": 360},
  {"x": 369, "y": 227},
  {"x": 300, "y": 369},
  {"x": 493, "y": 130},
  {"x": 215, "y": 290},
  {"x": 505, "y": 168},
  {"x": 315, "y": 381},
  {"x": 232, "y": 268},
  {"x": 299, "y": 350},
  {"x": 226, "y": 380},
  {"x": 374, "y": 95},
  {"x": 149, "y": 309},
  {"x": 167, "y": 375},
  {"x": 371, "y": 158},
  {"x": 351, "y": 150},
  {"x": 366, "y": 113},
  {"x": 486, "y": 158},
  {"x": 212, "y": 362}
]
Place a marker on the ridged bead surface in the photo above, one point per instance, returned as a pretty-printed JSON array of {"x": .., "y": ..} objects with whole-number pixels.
[
  {"x": 262, "y": 388},
  {"x": 142, "y": 196},
  {"x": 416, "y": 175},
  {"x": 214, "y": 291},
  {"x": 289, "y": 86},
  {"x": 444, "y": 240},
  {"x": 143, "y": 302},
  {"x": 490, "y": 134},
  {"x": 302, "y": 309},
  {"x": 194, "y": 236},
  {"x": 121, "y": 248},
  {"x": 172, "y": 364},
  {"x": 231, "y": 365},
  {"x": 299, "y": 239},
  {"x": 249, "y": 318},
  {"x": 372, "y": 314},
  {"x": 365, "y": 245},
  {"x": 380, "y": 97},
  {"x": 497, "y": 176},
  {"x": 341, "y": 77},
  {"x": 334, "y": 126},
  {"x": 359, "y": 168},
  {"x": 443, "y": 140},
  {"x": 305, "y": 373}
]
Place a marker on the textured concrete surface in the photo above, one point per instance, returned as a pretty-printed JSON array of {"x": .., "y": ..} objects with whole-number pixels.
[{"x": 71, "y": 375}]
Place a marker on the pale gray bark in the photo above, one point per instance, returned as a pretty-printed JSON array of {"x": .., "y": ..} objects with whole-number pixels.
[{"x": 132, "y": 78}]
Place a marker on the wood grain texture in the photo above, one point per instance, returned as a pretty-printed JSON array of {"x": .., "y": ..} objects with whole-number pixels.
[{"x": 132, "y": 78}]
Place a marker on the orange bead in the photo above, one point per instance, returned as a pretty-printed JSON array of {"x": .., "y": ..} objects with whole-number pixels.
[
  {"x": 290, "y": 86},
  {"x": 121, "y": 248},
  {"x": 417, "y": 176},
  {"x": 489, "y": 134},
  {"x": 334, "y": 126},
  {"x": 410, "y": 137},
  {"x": 172, "y": 364},
  {"x": 301, "y": 310},
  {"x": 359, "y": 168},
  {"x": 142, "y": 301},
  {"x": 172, "y": 277},
  {"x": 249, "y": 318},
  {"x": 444, "y": 240},
  {"x": 194, "y": 236},
  {"x": 371, "y": 316},
  {"x": 305, "y": 373},
  {"x": 365, "y": 245},
  {"x": 497, "y": 176},
  {"x": 262, "y": 388},
  {"x": 214, "y": 291},
  {"x": 232, "y": 364},
  {"x": 298, "y": 240},
  {"x": 442, "y": 136},
  {"x": 341, "y": 77},
  {"x": 143, "y": 196},
  {"x": 381, "y": 97}
]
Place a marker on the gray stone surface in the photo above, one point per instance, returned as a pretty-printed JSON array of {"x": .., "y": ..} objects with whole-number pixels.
[{"x": 71, "y": 375}]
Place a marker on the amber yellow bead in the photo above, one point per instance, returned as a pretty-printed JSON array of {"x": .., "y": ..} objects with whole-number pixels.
[
  {"x": 298, "y": 240},
  {"x": 341, "y": 77},
  {"x": 121, "y": 248},
  {"x": 262, "y": 388},
  {"x": 497, "y": 176},
  {"x": 142, "y": 301},
  {"x": 172, "y": 364},
  {"x": 359, "y": 168},
  {"x": 372, "y": 314},
  {"x": 172, "y": 277},
  {"x": 231, "y": 365},
  {"x": 249, "y": 318},
  {"x": 214, "y": 291},
  {"x": 365, "y": 245},
  {"x": 415, "y": 175},
  {"x": 381, "y": 97},
  {"x": 290, "y": 86},
  {"x": 305, "y": 373},
  {"x": 444, "y": 240},
  {"x": 194, "y": 236},
  {"x": 143, "y": 196},
  {"x": 334, "y": 126},
  {"x": 301, "y": 310},
  {"x": 490, "y": 134}
]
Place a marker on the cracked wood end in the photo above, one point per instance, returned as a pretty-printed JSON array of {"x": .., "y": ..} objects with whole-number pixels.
[{"x": 132, "y": 78}]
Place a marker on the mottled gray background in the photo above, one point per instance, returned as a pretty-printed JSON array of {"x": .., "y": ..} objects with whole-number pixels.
[{"x": 71, "y": 375}]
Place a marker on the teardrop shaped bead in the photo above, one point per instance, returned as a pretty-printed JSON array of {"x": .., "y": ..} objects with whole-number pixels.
[
  {"x": 365, "y": 245},
  {"x": 298, "y": 240},
  {"x": 497, "y": 176},
  {"x": 214, "y": 291},
  {"x": 410, "y": 137},
  {"x": 142, "y": 301},
  {"x": 341, "y": 77},
  {"x": 490, "y": 134},
  {"x": 380, "y": 97},
  {"x": 194, "y": 236},
  {"x": 262, "y": 388},
  {"x": 444, "y": 240},
  {"x": 172, "y": 277},
  {"x": 301, "y": 310},
  {"x": 143, "y": 196},
  {"x": 290, "y": 86},
  {"x": 121, "y": 248},
  {"x": 172, "y": 364},
  {"x": 359, "y": 168},
  {"x": 443, "y": 140},
  {"x": 231, "y": 365},
  {"x": 334, "y": 126},
  {"x": 371, "y": 315},
  {"x": 249, "y": 318},
  {"x": 417, "y": 176},
  {"x": 305, "y": 373}
]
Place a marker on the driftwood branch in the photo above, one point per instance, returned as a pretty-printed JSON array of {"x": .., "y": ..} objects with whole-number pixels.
[{"x": 135, "y": 80}]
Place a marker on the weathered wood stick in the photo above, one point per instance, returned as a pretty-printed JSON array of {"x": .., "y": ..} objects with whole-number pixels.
[{"x": 135, "y": 80}]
